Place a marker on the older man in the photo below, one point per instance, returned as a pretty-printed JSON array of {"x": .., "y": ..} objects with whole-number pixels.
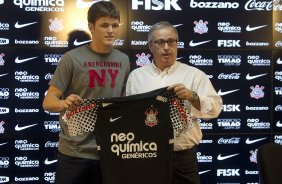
[{"x": 189, "y": 83}]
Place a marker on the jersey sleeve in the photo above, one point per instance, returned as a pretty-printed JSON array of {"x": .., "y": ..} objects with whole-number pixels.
[{"x": 83, "y": 118}]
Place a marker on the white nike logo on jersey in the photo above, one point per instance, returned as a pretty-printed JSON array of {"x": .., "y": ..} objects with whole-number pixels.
[
  {"x": 192, "y": 44},
  {"x": 1, "y": 75},
  {"x": 83, "y": 4},
  {"x": 248, "y": 77},
  {"x": 248, "y": 141},
  {"x": 278, "y": 124},
  {"x": 248, "y": 28},
  {"x": 17, "y": 60},
  {"x": 18, "y": 128},
  {"x": 77, "y": 43},
  {"x": 17, "y": 25},
  {"x": 114, "y": 119},
  {"x": 47, "y": 162},
  {"x": 219, "y": 157},
  {"x": 220, "y": 93},
  {"x": 279, "y": 61}
]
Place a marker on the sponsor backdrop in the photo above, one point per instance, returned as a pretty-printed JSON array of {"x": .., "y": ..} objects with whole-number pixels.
[{"x": 237, "y": 43}]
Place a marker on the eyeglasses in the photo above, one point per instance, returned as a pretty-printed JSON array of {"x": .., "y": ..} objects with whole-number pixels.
[{"x": 161, "y": 43}]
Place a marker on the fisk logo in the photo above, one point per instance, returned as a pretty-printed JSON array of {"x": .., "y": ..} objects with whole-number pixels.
[
  {"x": 156, "y": 4},
  {"x": 231, "y": 108},
  {"x": 228, "y": 43},
  {"x": 228, "y": 172}
]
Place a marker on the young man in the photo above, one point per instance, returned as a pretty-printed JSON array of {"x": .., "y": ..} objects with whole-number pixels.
[
  {"x": 90, "y": 71},
  {"x": 189, "y": 83}
]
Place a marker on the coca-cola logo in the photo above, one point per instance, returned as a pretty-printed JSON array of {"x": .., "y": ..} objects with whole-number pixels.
[
  {"x": 229, "y": 76},
  {"x": 258, "y": 5},
  {"x": 233, "y": 140},
  {"x": 48, "y": 76},
  {"x": 50, "y": 144}
]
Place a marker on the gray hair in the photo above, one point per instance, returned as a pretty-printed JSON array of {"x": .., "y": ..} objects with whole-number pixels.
[{"x": 161, "y": 25}]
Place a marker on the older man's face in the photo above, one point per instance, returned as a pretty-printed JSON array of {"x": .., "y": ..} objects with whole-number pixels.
[{"x": 164, "y": 47}]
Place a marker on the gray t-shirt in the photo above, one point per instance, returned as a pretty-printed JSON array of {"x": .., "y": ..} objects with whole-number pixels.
[{"x": 88, "y": 74}]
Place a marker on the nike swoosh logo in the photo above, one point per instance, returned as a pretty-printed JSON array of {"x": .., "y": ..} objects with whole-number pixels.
[
  {"x": 3, "y": 143},
  {"x": 248, "y": 28},
  {"x": 17, "y": 25},
  {"x": 178, "y": 58},
  {"x": 202, "y": 172},
  {"x": 76, "y": 43},
  {"x": 220, "y": 93},
  {"x": 17, "y": 60},
  {"x": 1, "y": 75},
  {"x": 248, "y": 141},
  {"x": 47, "y": 162},
  {"x": 192, "y": 44},
  {"x": 114, "y": 119},
  {"x": 278, "y": 124},
  {"x": 18, "y": 128},
  {"x": 83, "y": 4},
  {"x": 248, "y": 77},
  {"x": 219, "y": 157},
  {"x": 177, "y": 25},
  {"x": 279, "y": 61}
]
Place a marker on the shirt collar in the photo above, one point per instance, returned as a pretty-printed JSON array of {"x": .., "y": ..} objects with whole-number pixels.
[{"x": 169, "y": 70}]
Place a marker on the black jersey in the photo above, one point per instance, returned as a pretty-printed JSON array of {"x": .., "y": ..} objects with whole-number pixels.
[{"x": 134, "y": 134}]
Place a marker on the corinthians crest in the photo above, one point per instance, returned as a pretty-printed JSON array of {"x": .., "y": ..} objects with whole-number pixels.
[
  {"x": 257, "y": 92},
  {"x": 151, "y": 119}
]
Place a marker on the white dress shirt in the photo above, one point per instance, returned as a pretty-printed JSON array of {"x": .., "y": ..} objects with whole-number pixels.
[{"x": 149, "y": 77}]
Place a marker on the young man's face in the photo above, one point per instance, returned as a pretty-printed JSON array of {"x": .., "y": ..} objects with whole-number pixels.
[{"x": 104, "y": 31}]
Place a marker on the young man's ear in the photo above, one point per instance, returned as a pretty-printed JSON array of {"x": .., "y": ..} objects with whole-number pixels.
[{"x": 91, "y": 27}]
